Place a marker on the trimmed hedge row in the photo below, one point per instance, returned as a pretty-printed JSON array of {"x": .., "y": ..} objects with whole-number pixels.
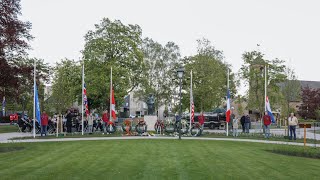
[{"x": 309, "y": 152}]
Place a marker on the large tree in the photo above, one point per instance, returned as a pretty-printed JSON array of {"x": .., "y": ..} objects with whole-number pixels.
[
  {"x": 209, "y": 78},
  {"x": 310, "y": 103},
  {"x": 252, "y": 72},
  {"x": 66, "y": 87},
  {"x": 161, "y": 63},
  {"x": 117, "y": 46},
  {"x": 14, "y": 37}
]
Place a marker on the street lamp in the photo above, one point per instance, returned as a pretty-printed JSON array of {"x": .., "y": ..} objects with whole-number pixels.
[{"x": 180, "y": 72}]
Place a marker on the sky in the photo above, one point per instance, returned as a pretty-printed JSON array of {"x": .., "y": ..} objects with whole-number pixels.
[{"x": 285, "y": 29}]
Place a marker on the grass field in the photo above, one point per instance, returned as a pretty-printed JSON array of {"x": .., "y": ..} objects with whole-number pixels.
[
  {"x": 151, "y": 159},
  {"x": 8, "y": 128}
]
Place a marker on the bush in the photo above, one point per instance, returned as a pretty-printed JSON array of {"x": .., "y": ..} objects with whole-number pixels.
[
  {"x": 299, "y": 151},
  {"x": 5, "y": 119}
]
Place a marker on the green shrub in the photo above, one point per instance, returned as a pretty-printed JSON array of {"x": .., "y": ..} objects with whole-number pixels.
[{"x": 309, "y": 152}]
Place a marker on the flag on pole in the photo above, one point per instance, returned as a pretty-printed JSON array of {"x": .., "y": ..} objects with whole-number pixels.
[
  {"x": 4, "y": 106},
  {"x": 191, "y": 103},
  {"x": 85, "y": 100},
  {"x": 113, "y": 106},
  {"x": 228, "y": 113},
  {"x": 37, "y": 105},
  {"x": 268, "y": 107}
]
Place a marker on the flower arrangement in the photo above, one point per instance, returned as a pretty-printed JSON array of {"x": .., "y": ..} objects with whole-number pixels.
[
  {"x": 111, "y": 127},
  {"x": 126, "y": 126}
]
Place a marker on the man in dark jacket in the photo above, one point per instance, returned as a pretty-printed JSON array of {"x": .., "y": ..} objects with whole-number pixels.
[
  {"x": 69, "y": 121},
  {"x": 242, "y": 121},
  {"x": 247, "y": 123}
]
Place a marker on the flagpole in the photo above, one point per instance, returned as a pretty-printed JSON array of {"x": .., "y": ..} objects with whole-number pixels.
[
  {"x": 34, "y": 99},
  {"x": 265, "y": 87},
  {"x": 110, "y": 112},
  {"x": 191, "y": 96},
  {"x": 82, "y": 96},
  {"x": 228, "y": 100}
]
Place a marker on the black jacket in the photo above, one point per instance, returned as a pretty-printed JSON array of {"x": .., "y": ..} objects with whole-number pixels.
[{"x": 243, "y": 119}]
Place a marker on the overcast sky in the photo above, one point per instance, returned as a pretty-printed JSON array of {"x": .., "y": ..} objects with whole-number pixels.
[{"x": 285, "y": 29}]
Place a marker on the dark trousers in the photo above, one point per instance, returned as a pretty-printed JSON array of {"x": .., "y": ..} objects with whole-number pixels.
[
  {"x": 292, "y": 131},
  {"x": 69, "y": 126},
  {"x": 243, "y": 127},
  {"x": 44, "y": 130}
]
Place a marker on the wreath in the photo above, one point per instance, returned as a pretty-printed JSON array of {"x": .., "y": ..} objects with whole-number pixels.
[
  {"x": 184, "y": 126},
  {"x": 196, "y": 129},
  {"x": 159, "y": 126},
  {"x": 126, "y": 125},
  {"x": 141, "y": 127},
  {"x": 170, "y": 125},
  {"x": 111, "y": 127}
]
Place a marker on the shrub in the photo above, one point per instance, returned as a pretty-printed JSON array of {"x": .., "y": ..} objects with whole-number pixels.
[{"x": 309, "y": 152}]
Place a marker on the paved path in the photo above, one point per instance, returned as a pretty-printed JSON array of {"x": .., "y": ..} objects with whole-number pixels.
[{"x": 3, "y": 140}]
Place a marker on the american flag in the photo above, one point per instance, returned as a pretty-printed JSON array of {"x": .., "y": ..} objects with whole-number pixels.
[
  {"x": 85, "y": 100},
  {"x": 191, "y": 103}
]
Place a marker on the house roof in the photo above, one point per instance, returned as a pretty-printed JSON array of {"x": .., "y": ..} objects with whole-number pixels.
[{"x": 310, "y": 84}]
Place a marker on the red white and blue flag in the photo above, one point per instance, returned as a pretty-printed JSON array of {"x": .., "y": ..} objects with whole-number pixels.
[
  {"x": 113, "y": 106},
  {"x": 268, "y": 107},
  {"x": 85, "y": 99},
  {"x": 228, "y": 113},
  {"x": 4, "y": 106}
]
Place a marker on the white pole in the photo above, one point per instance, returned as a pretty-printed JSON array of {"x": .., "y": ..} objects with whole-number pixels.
[
  {"x": 227, "y": 102},
  {"x": 265, "y": 87},
  {"x": 110, "y": 95},
  {"x": 191, "y": 100},
  {"x": 82, "y": 96},
  {"x": 34, "y": 100},
  {"x": 57, "y": 130}
]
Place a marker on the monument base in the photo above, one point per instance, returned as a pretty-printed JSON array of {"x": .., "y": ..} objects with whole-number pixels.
[{"x": 150, "y": 121}]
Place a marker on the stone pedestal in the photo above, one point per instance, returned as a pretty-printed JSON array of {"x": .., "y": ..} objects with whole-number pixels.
[{"x": 150, "y": 121}]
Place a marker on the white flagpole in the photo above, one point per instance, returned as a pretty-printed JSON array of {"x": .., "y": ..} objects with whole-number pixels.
[
  {"x": 191, "y": 96},
  {"x": 34, "y": 100},
  {"x": 265, "y": 87},
  {"x": 82, "y": 96},
  {"x": 110, "y": 95},
  {"x": 227, "y": 102}
]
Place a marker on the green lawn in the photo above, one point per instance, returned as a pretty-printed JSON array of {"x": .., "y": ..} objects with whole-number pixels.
[
  {"x": 8, "y": 128},
  {"x": 152, "y": 159}
]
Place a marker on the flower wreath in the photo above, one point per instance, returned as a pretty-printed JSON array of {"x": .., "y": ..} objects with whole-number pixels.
[
  {"x": 126, "y": 125},
  {"x": 159, "y": 125},
  {"x": 141, "y": 127},
  {"x": 196, "y": 129},
  {"x": 111, "y": 127},
  {"x": 169, "y": 125},
  {"x": 184, "y": 126}
]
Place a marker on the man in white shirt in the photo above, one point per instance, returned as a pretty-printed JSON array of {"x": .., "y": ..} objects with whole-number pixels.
[{"x": 293, "y": 122}]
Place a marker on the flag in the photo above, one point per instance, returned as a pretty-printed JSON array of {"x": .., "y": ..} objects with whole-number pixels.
[
  {"x": 268, "y": 107},
  {"x": 85, "y": 99},
  {"x": 228, "y": 113},
  {"x": 4, "y": 106},
  {"x": 113, "y": 106},
  {"x": 191, "y": 103},
  {"x": 37, "y": 104}
]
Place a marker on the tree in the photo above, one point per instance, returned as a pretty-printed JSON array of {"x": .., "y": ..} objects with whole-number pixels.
[
  {"x": 310, "y": 103},
  {"x": 252, "y": 72},
  {"x": 291, "y": 89},
  {"x": 112, "y": 44},
  {"x": 66, "y": 87},
  {"x": 209, "y": 78},
  {"x": 14, "y": 37},
  {"x": 160, "y": 69}
]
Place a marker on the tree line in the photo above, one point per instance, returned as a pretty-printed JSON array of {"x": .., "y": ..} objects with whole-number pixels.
[{"x": 139, "y": 64}]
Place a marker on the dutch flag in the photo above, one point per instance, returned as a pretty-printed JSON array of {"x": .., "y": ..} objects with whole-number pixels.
[{"x": 269, "y": 110}]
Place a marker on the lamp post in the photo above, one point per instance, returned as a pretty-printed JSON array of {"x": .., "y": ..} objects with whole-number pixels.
[{"x": 180, "y": 72}]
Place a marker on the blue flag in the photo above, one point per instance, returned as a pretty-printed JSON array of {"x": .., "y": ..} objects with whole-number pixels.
[
  {"x": 37, "y": 105},
  {"x": 269, "y": 110}
]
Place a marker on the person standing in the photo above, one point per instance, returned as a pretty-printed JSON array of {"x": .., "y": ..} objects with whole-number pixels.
[
  {"x": 201, "y": 120},
  {"x": 293, "y": 122},
  {"x": 105, "y": 119},
  {"x": 266, "y": 123},
  {"x": 247, "y": 123},
  {"x": 44, "y": 123},
  {"x": 235, "y": 126},
  {"x": 242, "y": 121},
  {"x": 69, "y": 122},
  {"x": 90, "y": 122}
]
